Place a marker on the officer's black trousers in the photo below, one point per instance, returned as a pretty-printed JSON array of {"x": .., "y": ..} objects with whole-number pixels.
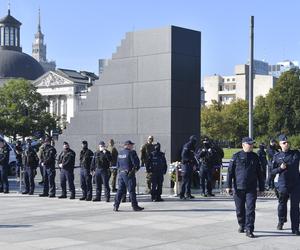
[
  {"x": 187, "y": 173},
  {"x": 271, "y": 177},
  {"x": 245, "y": 208},
  {"x": 102, "y": 178},
  {"x": 206, "y": 178},
  {"x": 157, "y": 180},
  {"x": 4, "y": 186},
  {"x": 67, "y": 175},
  {"x": 49, "y": 181},
  {"x": 129, "y": 182},
  {"x": 29, "y": 175},
  {"x": 86, "y": 183},
  {"x": 294, "y": 195}
]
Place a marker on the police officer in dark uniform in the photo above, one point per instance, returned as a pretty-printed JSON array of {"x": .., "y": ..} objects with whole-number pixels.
[
  {"x": 30, "y": 163},
  {"x": 245, "y": 169},
  {"x": 286, "y": 164},
  {"x": 271, "y": 151},
  {"x": 19, "y": 153},
  {"x": 4, "y": 167},
  {"x": 189, "y": 162},
  {"x": 66, "y": 162},
  {"x": 157, "y": 166},
  {"x": 86, "y": 156},
  {"x": 146, "y": 150},
  {"x": 206, "y": 156},
  {"x": 100, "y": 166},
  {"x": 128, "y": 163},
  {"x": 48, "y": 163},
  {"x": 262, "y": 155}
]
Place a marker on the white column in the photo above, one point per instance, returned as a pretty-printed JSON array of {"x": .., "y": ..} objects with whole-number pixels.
[
  {"x": 51, "y": 106},
  {"x": 57, "y": 105},
  {"x": 62, "y": 104}
]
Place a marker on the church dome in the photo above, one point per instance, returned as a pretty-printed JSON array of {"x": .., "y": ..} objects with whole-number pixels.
[{"x": 15, "y": 64}]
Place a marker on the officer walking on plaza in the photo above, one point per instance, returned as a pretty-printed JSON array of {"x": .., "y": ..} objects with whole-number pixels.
[
  {"x": 128, "y": 164},
  {"x": 271, "y": 151},
  {"x": 30, "y": 163},
  {"x": 48, "y": 163},
  {"x": 4, "y": 167},
  {"x": 146, "y": 150},
  {"x": 245, "y": 170},
  {"x": 100, "y": 167},
  {"x": 66, "y": 163},
  {"x": 286, "y": 164},
  {"x": 189, "y": 162},
  {"x": 206, "y": 156},
  {"x": 86, "y": 157},
  {"x": 114, "y": 157},
  {"x": 157, "y": 166}
]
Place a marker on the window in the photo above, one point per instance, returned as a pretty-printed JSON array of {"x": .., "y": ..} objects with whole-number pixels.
[
  {"x": 233, "y": 87},
  {"x": 1, "y": 28},
  {"x": 6, "y": 36},
  {"x": 16, "y": 37},
  {"x": 233, "y": 79},
  {"x": 11, "y": 34}
]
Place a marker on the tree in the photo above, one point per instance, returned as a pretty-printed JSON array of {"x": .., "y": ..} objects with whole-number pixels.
[
  {"x": 23, "y": 110},
  {"x": 283, "y": 102},
  {"x": 261, "y": 117}
]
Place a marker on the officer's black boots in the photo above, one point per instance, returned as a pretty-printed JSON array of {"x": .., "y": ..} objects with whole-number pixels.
[
  {"x": 191, "y": 196},
  {"x": 96, "y": 199},
  {"x": 62, "y": 197},
  {"x": 51, "y": 196},
  {"x": 43, "y": 195},
  {"x": 279, "y": 226},
  {"x": 72, "y": 197},
  {"x": 250, "y": 234},
  {"x": 25, "y": 192},
  {"x": 159, "y": 199},
  {"x": 296, "y": 232},
  {"x": 241, "y": 229},
  {"x": 116, "y": 208},
  {"x": 88, "y": 199},
  {"x": 210, "y": 195},
  {"x": 137, "y": 208},
  {"x": 82, "y": 198}
]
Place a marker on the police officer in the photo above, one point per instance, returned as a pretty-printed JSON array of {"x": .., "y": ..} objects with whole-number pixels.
[
  {"x": 157, "y": 166},
  {"x": 146, "y": 150},
  {"x": 66, "y": 162},
  {"x": 262, "y": 155},
  {"x": 100, "y": 167},
  {"x": 30, "y": 163},
  {"x": 4, "y": 160},
  {"x": 19, "y": 152},
  {"x": 48, "y": 163},
  {"x": 114, "y": 157},
  {"x": 286, "y": 164},
  {"x": 86, "y": 156},
  {"x": 39, "y": 154},
  {"x": 206, "y": 155},
  {"x": 244, "y": 168},
  {"x": 128, "y": 163},
  {"x": 189, "y": 162},
  {"x": 271, "y": 151}
]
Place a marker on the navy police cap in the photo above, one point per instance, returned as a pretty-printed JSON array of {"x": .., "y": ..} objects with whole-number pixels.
[
  {"x": 248, "y": 140},
  {"x": 128, "y": 142},
  {"x": 282, "y": 138}
]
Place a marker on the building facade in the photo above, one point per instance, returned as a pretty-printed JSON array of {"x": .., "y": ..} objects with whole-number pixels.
[
  {"x": 281, "y": 67},
  {"x": 226, "y": 89}
]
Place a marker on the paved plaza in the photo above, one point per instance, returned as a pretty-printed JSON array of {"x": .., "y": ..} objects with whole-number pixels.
[{"x": 31, "y": 222}]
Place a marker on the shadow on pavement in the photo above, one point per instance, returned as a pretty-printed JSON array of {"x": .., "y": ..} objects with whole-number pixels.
[
  {"x": 273, "y": 234},
  {"x": 14, "y": 226}
]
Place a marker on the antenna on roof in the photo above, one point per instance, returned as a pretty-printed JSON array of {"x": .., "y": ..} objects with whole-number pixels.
[{"x": 8, "y": 7}]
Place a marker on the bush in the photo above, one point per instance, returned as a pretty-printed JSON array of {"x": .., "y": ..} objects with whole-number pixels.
[{"x": 295, "y": 141}]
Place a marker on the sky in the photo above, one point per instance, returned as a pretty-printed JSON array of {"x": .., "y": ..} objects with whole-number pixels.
[{"x": 79, "y": 32}]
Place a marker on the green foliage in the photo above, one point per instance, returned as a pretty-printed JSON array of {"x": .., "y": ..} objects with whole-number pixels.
[
  {"x": 22, "y": 109},
  {"x": 295, "y": 141}
]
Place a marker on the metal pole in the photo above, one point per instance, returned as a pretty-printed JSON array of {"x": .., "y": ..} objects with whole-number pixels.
[{"x": 251, "y": 75}]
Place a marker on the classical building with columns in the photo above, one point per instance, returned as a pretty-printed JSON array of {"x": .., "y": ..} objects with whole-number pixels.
[{"x": 64, "y": 89}]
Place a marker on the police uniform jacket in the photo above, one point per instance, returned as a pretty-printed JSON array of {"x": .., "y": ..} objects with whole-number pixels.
[
  {"x": 101, "y": 160},
  {"x": 128, "y": 160},
  {"x": 157, "y": 163},
  {"x": 30, "y": 158},
  {"x": 207, "y": 157},
  {"x": 187, "y": 154},
  {"x": 262, "y": 155},
  {"x": 4, "y": 155},
  {"x": 67, "y": 159},
  {"x": 48, "y": 156},
  {"x": 271, "y": 152},
  {"x": 289, "y": 177},
  {"x": 86, "y": 157},
  {"x": 245, "y": 171}
]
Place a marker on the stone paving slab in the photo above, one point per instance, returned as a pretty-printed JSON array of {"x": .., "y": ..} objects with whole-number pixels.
[{"x": 32, "y": 222}]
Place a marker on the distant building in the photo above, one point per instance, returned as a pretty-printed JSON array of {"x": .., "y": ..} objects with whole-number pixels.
[
  {"x": 102, "y": 64},
  {"x": 281, "y": 67},
  {"x": 226, "y": 89},
  {"x": 64, "y": 89},
  {"x": 39, "y": 49}
]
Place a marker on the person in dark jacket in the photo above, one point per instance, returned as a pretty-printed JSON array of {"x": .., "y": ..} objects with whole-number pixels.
[
  {"x": 157, "y": 166},
  {"x": 262, "y": 155},
  {"x": 128, "y": 164},
  {"x": 146, "y": 150},
  {"x": 19, "y": 153},
  {"x": 48, "y": 162},
  {"x": 86, "y": 157},
  {"x": 100, "y": 166},
  {"x": 4, "y": 167},
  {"x": 245, "y": 172},
  {"x": 30, "y": 163},
  {"x": 114, "y": 157},
  {"x": 189, "y": 163},
  {"x": 286, "y": 164},
  {"x": 66, "y": 163},
  {"x": 271, "y": 151}
]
